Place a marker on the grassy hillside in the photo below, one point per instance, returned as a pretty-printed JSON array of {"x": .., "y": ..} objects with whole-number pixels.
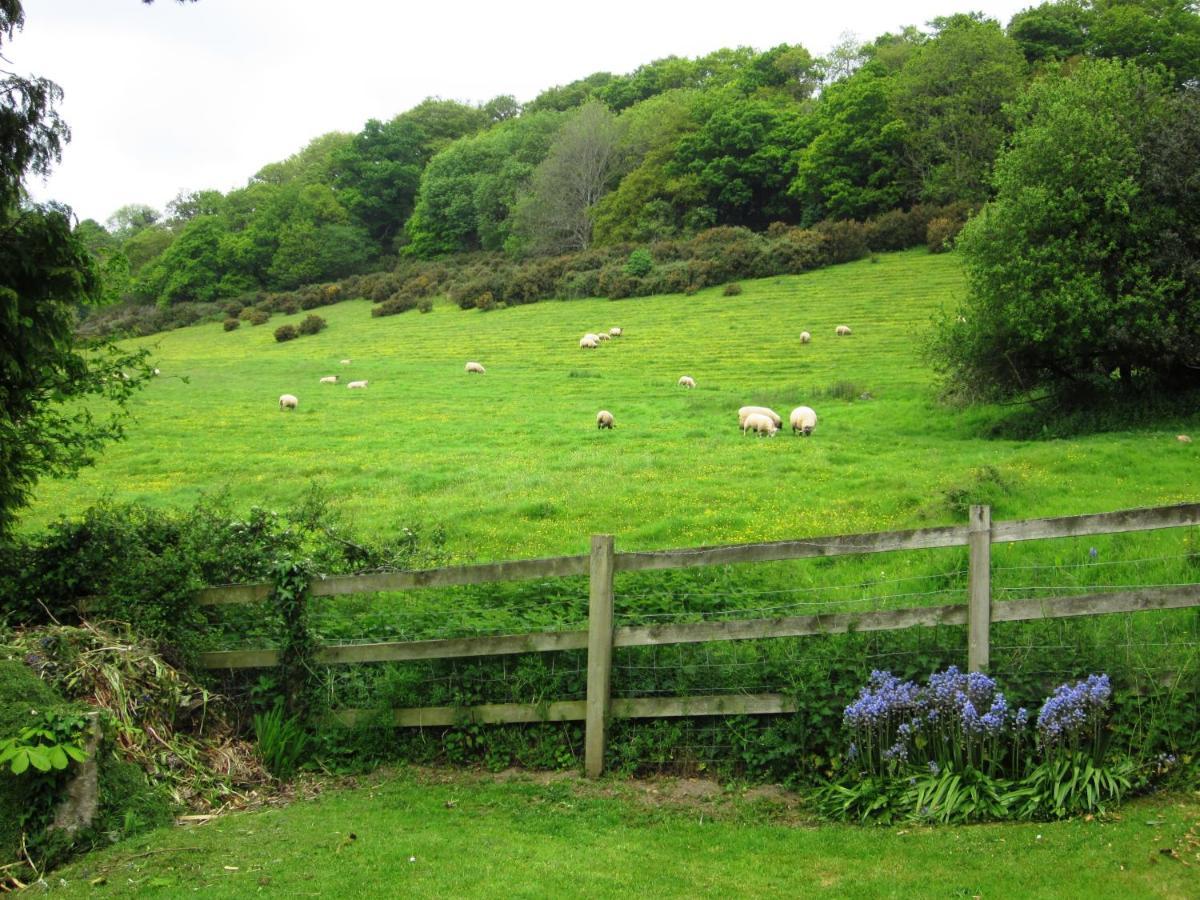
[{"x": 511, "y": 463}]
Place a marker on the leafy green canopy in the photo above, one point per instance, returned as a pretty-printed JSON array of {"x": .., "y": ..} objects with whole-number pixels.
[
  {"x": 45, "y": 272},
  {"x": 1084, "y": 271}
]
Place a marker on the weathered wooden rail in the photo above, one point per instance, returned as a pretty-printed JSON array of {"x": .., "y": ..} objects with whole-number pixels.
[{"x": 601, "y": 637}]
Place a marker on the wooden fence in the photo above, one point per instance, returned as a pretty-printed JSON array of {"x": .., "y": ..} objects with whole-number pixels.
[{"x": 601, "y": 637}]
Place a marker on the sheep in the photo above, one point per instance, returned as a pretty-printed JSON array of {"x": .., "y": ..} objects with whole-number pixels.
[
  {"x": 1183, "y": 438},
  {"x": 751, "y": 410},
  {"x": 805, "y": 337},
  {"x": 842, "y": 331},
  {"x": 803, "y": 419},
  {"x": 760, "y": 423},
  {"x": 157, "y": 372},
  {"x": 687, "y": 381},
  {"x": 615, "y": 331},
  {"x": 604, "y": 336},
  {"x": 604, "y": 419},
  {"x": 474, "y": 368},
  {"x": 346, "y": 362},
  {"x": 329, "y": 379},
  {"x": 356, "y": 384},
  {"x": 588, "y": 342},
  {"x": 288, "y": 401}
]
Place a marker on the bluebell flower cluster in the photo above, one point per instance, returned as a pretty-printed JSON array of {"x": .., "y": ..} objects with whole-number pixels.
[
  {"x": 1074, "y": 711},
  {"x": 959, "y": 719}
]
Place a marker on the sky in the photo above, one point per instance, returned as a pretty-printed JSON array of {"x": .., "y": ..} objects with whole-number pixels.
[{"x": 168, "y": 98}]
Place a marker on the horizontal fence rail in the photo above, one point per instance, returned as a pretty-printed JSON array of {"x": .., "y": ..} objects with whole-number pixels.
[{"x": 601, "y": 637}]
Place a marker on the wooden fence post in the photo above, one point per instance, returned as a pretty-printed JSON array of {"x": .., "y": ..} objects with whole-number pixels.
[
  {"x": 979, "y": 609},
  {"x": 600, "y": 649}
]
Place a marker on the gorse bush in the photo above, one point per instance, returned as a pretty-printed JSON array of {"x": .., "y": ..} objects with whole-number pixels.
[
  {"x": 286, "y": 333},
  {"x": 232, "y": 324},
  {"x": 311, "y": 325}
]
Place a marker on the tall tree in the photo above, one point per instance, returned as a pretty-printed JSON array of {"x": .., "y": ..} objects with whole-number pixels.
[
  {"x": 582, "y": 165},
  {"x": 1084, "y": 272},
  {"x": 45, "y": 271},
  {"x": 951, "y": 96}
]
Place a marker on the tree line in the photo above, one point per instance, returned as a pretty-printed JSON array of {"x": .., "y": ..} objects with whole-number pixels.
[{"x": 735, "y": 138}]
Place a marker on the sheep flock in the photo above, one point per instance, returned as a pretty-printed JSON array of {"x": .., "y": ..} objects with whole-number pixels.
[{"x": 759, "y": 420}]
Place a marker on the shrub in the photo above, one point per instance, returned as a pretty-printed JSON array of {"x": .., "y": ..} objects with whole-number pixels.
[
  {"x": 425, "y": 305},
  {"x": 845, "y": 241},
  {"x": 311, "y": 325},
  {"x": 897, "y": 229},
  {"x": 286, "y": 333},
  {"x": 639, "y": 263},
  {"x": 289, "y": 306},
  {"x": 732, "y": 289},
  {"x": 485, "y": 301},
  {"x": 941, "y": 233},
  {"x": 232, "y": 309},
  {"x": 394, "y": 306},
  {"x": 259, "y": 317},
  {"x": 232, "y": 324}
]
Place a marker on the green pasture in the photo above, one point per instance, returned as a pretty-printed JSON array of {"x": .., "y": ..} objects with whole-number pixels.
[
  {"x": 511, "y": 463},
  {"x": 462, "y": 836}
]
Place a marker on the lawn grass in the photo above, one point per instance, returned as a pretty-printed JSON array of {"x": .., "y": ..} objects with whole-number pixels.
[
  {"x": 421, "y": 834},
  {"x": 512, "y": 465}
]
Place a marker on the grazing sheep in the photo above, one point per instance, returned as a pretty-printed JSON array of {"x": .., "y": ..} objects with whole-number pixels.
[
  {"x": 803, "y": 419},
  {"x": 751, "y": 410},
  {"x": 604, "y": 419},
  {"x": 687, "y": 381},
  {"x": 805, "y": 337},
  {"x": 615, "y": 331},
  {"x": 288, "y": 401},
  {"x": 356, "y": 384},
  {"x": 842, "y": 331},
  {"x": 345, "y": 362},
  {"x": 1183, "y": 439},
  {"x": 604, "y": 336},
  {"x": 329, "y": 379},
  {"x": 588, "y": 342},
  {"x": 474, "y": 368},
  {"x": 157, "y": 372},
  {"x": 760, "y": 423}
]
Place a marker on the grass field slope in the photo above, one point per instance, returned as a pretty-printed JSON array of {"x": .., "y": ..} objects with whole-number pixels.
[{"x": 512, "y": 465}]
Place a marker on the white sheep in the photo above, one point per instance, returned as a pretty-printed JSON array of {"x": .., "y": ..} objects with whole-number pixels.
[
  {"x": 760, "y": 423},
  {"x": 615, "y": 331},
  {"x": 803, "y": 419},
  {"x": 329, "y": 379},
  {"x": 346, "y": 362},
  {"x": 588, "y": 342},
  {"x": 687, "y": 381},
  {"x": 805, "y": 337},
  {"x": 474, "y": 368},
  {"x": 604, "y": 419},
  {"x": 842, "y": 331},
  {"x": 766, "y": 411},
  {"x": 157, "y": 372},
  {"x": 288, "y": 401},
  {"x": 356, "y": 384},
  {"x": 1183, "y": 438},
  {"x": 604, "y": 336}
]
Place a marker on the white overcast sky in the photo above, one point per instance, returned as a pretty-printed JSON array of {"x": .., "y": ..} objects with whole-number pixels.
[{"x": 172, "y": 97}]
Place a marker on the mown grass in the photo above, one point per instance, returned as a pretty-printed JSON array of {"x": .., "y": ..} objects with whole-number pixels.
[
  {"x": 463, "y": 836},
  {"x": 512, "y": 465}
]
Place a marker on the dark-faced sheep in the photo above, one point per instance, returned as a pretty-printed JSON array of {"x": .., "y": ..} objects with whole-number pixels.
[
  {"x": 604, "y": 419},
  {"x": 842, "y": 331},
  {"x": 288, "y": 401},
  {"x": 687, "y": 381},
  {"x": 803, "y": 419},
  {"x": 474, "y": 368}
]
